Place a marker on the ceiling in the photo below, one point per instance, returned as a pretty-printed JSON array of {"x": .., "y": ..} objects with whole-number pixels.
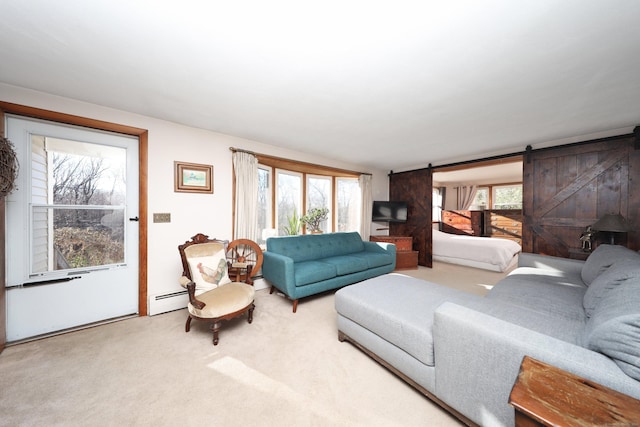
[
  {"x": 503, "y": 173},
  {"x": 388, "y": 85}
]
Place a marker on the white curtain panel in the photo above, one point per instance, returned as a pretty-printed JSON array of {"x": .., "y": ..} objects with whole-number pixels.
[
  {"x": 466, "y": 194},
  {"x": 245, "y": 167},
  {"x": 367, "y": 203}
]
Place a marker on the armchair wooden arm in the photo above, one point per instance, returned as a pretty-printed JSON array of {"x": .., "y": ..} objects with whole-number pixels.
[{"x": 191, "y": 290}]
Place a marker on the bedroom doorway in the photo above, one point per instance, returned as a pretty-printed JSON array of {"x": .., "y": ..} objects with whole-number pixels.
[{"x": 481, "y": 198}]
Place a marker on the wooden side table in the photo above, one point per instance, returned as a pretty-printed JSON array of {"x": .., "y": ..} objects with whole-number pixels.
[
  {"x": 406, "y": 258},
  {"x": 544, "y": 395}
]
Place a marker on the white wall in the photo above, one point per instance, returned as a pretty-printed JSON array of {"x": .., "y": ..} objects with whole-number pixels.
[{"x": 190, "y": 213}]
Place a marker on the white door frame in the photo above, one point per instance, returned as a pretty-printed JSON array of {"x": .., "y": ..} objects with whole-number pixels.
[{"x": 143, "y": 138}]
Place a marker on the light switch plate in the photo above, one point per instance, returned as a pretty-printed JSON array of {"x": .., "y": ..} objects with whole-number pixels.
[{"x": 161, "y": 217}]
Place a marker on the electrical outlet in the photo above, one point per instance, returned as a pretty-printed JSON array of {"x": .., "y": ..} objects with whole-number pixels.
[{"x": 161, "y": 217}]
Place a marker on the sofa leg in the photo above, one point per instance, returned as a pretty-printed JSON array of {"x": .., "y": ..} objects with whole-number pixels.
[
  {"x": 272, "y": 289},
  {"x": 295, "y": 305}
]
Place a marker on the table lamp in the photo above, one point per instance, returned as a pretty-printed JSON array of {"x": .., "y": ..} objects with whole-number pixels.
[{"x": 611, "y": 223}]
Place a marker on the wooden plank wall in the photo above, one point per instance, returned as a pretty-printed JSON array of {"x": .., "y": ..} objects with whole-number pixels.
[
  {"x": 414, "y": 187},
  {"x": 567, "y": 188}
]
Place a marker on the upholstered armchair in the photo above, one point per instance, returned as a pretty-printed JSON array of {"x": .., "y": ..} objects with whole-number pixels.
[{"x": 213, "y": 296}]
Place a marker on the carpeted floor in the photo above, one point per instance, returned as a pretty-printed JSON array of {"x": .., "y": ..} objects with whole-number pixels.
[{"x": 284, "y": 369}]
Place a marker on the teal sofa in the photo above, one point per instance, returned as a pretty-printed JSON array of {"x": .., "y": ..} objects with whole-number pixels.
[{"x": 304, "y": 265}]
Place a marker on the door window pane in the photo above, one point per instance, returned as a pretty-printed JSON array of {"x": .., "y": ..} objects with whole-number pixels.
[
  {"x": 80, "y": 238},
  {"x": 72, "y": 183}
]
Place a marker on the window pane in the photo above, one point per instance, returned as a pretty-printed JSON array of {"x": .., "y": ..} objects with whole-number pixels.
[
  {"x": 264, "y": 204},
  {"x": 348, "y": 200},
  {"x": 79, "y": 238},
  {"x": 436, "y": 204},
  {"x": 481, "y": 201},
  {"x": 86, "y": 174},
  {"x": 507, "y": 197},
  {"x": 289, "y": 197},
  {"x": 319, "y": 196},
  {"x": 66, "y": 173}
]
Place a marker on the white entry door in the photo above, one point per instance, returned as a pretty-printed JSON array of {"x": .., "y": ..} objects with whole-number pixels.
[{"x": 72, "y": 230}]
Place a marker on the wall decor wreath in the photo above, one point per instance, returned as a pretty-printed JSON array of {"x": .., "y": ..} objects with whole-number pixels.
[{"x": 8, "y": 167}]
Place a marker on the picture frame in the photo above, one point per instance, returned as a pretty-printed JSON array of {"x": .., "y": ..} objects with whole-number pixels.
[{"x": 193, "y": 178}]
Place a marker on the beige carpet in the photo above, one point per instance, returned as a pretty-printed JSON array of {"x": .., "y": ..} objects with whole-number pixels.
[{"x": 284, "y": 369}]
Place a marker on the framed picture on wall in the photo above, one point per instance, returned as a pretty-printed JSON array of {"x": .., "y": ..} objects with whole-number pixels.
[{"x": 193, "y": 178}]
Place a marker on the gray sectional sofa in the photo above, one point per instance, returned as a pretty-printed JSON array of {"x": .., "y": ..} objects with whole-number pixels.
[
  {"x": 304, "y": 265},
  {"x": 464, "y": 351}
]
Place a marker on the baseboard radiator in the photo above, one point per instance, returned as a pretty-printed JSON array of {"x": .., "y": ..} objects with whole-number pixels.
[{"x": 162, "y": 303}]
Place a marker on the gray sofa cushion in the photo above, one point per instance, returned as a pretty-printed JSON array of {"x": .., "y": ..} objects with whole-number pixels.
[
  {"x": 602, "y": 258},
  {"x": 548, "y": 292},
  {"x": 620, "y": 272},
  {"x": 566, "y": 329},
  {"x": 614, "y": 326},
  {"x": 399, "y": 309}
]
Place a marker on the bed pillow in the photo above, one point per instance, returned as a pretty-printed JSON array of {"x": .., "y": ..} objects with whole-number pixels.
[{"x": 602, "y": 258}]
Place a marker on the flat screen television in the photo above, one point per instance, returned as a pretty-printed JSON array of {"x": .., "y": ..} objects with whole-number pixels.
[{"x": 389, "y": 211}]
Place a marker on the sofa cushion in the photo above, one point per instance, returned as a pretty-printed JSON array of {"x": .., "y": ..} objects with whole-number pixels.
[
  {"x": 602, "y": 258},
  {"x": 614, "y": 326},
  {"x": 346, "y": 264},
  {"x": 620, "y": 272},
  {"x": 568, "y": 329},
  {"x": 398, "y": 309},
  {"x": 307, "y": 247},
  {"x": 374, "y": 259},
  {"x": 306, "y": 272},
  {"x": 548, "y": 292}
]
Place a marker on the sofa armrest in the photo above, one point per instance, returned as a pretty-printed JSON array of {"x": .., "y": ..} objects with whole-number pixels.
[
  {"x": 548, "y": 262},
  {"x": 478, "y": 357},
  {"x": 277, "y": 269},
  {"x": 380, "y": 247}
]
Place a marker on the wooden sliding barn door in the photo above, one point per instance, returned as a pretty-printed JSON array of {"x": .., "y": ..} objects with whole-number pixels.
[
  {"x": 414, "y": 187},
  {"x": 568, "y": 188}
]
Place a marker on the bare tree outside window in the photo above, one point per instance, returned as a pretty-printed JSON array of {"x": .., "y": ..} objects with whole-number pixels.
[
  {"x": 319, "y": 196},
  {"x": 76, "y": 210}
]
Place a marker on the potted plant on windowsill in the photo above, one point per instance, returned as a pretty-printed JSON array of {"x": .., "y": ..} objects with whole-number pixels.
[
  {"x": 293, "y": 229},
  {"x": 313, "y": 218}
]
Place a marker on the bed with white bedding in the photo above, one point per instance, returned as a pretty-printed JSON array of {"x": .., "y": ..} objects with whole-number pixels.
[{"x": 488, "y": 253}]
